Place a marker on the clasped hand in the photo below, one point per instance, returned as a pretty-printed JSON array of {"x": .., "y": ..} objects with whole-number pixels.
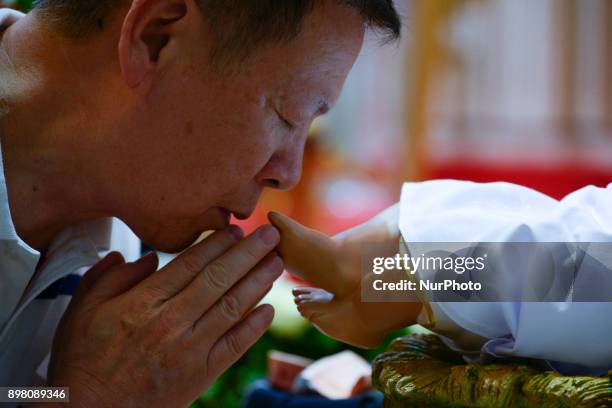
[{"x": 136, "y": 336}]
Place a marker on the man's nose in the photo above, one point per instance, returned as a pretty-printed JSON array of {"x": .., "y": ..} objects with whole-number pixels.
[{"x": 284, "y": 169}]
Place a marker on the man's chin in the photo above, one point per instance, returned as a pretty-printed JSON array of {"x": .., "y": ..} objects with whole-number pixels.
[
  {"x": 172, "y": 246},
  {"x": 176, "y": 245},
  {"x": 178, "y": 239}
]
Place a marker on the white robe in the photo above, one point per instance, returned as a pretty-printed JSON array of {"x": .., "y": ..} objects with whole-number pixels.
[{"x": 574, "y": 337}]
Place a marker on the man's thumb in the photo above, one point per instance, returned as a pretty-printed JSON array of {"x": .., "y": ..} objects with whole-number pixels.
[
  {"x": 95, "y": 273},
  {"x": 121, "y": 278}
]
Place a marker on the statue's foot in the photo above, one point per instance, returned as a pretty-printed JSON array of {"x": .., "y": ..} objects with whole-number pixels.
[
  {"x": 315, "y": 257},
  {"x": 336, "y": 317},
  {"x": 312, "y": 301}
]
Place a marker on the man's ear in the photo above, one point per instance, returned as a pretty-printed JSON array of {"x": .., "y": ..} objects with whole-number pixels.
[{"x": 148, "y": 28}]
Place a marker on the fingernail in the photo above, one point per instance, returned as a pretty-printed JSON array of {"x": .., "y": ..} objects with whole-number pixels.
[
  {"x": 114, "y": 258},
  {"x": 146, "y": 258},
  {"x": 265, "y": 315},
  {"x": 269, "y": 235},
  {"x": 271, "y": 273},
  {"x": 274, "y": 217},
  {"x": 236, "y": 231},
  {"x": 278, "y": 264}
]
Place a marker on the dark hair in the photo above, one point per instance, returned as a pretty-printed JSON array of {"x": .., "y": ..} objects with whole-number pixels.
[{"x": 238, "y": 25}]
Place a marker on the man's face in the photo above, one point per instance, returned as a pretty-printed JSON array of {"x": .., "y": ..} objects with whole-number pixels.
[{"x": 205, "y": 143}]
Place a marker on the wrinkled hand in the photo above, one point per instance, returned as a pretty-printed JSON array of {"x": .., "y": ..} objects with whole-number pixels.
[{"x": 134, "y": 336}]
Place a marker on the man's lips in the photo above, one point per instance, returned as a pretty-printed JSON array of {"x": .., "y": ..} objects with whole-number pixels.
[
  {"x": 222, "y": 219},
  {"x": 219, "y": 218},
  {"x": 241, "y": 216}
]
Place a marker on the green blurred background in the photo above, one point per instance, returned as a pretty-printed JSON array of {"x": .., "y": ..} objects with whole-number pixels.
[{"x": 21, "y": 4}]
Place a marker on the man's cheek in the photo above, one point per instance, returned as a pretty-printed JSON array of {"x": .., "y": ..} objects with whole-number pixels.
[{"x": 253, "y": 160}]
